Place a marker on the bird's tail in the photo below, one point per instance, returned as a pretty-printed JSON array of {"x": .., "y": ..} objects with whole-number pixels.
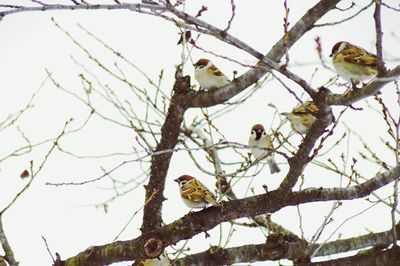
[{"x": 273, "y": 167}]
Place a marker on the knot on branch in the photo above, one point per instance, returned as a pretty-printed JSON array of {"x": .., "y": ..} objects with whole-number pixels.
[
  {"x": 90, "y": 251},
  {"x": 321, "y": 95},
  {"x": 58, "y": 261},
  {"x": 324, "y": 110},
  {"x": 217, "y": 255},
  {"x": 182, "y": 84},
  {"x": 153, "y": 247}
]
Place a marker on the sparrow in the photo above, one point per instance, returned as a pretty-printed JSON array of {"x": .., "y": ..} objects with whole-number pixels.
[
  {"x": 208, "y": 75},
  {"x": 353, "y": 63},
  {"x": 302, "y": 117},
  {"x": 194, "y": 194},
  {"x": 259, "y": 138}
]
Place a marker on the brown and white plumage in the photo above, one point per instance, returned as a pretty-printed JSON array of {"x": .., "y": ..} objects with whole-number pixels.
[
  {"x": 302, "y": 117},
  {"x": 193, "y": 193},
  {"x": 353, "y": 63},
  {"x": 261, "y": 147},
  {"x": 208, "y": 75}
]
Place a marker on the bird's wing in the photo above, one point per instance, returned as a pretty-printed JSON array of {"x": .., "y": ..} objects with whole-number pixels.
[
  {"x": 308, "y": 107},
  {"x": 267, "y": 142},
  {"x": 197, "y": 192},
  {"x": 357, "y": 55},
  {"x": 213, "y": 70}
]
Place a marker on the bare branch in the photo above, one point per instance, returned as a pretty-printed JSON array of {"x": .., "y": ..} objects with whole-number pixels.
[
  {"x": 9, "y": 256},
  {"x": 280, "y": 247},
  {"x": 159, "y": 164},
  {"x": 346, "y": 19},
  {"x": 379, "y": 33},
  {"x": 364, "y": 92},
  {"x": 197, "y": 222},
  {"x": 77, "y": 6},
  {"x": 233, "y": 8}
]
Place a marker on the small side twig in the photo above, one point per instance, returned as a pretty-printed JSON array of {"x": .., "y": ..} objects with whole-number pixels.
[
  {"x": 35, "y": 173},
  {"x": 134, "y": 214},
  {"x": 39, "y": 2},
  {"x": 396, "y": 182},
  {"x": 233, "y": 8},
  {"x": 319, "y": 52},
  {"x": 379, "y": 33},
  {"x": 48, "y": 249},
  {"x": 285, "y": 31},
  {"x": 346, "y": 19}
]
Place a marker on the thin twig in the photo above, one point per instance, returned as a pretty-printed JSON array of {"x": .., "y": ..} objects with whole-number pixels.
[
  {"x": 390, "y": 7},
  {"x": 38, "y": 170},
  {"x": 378, "y": 29},
  {"x": 133, "y": 215},
  {"x": 39, "y": 2},
  {"x": 220, "y": 144},
  {"x": 346, "y": 19},
  {"x": 233, "y": 8},
  {"x": 396, "y": 182},
  {"x": 48, "y": 248},
  {"x": 285, "y": 32}
]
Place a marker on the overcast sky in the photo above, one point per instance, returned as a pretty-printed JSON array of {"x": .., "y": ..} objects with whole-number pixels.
[{"x": 69, "y": 217}]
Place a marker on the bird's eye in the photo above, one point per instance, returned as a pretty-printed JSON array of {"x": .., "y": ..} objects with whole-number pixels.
[
  {"x": 253, "y": 132},
  {"x": 264, "y": 133}
]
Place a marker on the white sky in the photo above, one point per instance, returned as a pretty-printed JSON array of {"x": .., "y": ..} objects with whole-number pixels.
[{"x": 66, "y": 216}]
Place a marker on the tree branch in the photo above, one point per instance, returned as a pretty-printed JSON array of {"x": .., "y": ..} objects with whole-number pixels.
[
  {"x": 152, "y": 212},
  {"x": 378, "y": 29},
  {"x": 266, "y": 63},
  {"x": 364, "y": 92},
  {"x": 9, "y": 257},
  {"x": 390, "y": 257},
  {"x": 132, "y": 7},
  {"x": 160, "y": 163},
  {"x": 279, "y": 247},
  {"x": 299, "y": 161},
  {"x": 197, "y": 222}
]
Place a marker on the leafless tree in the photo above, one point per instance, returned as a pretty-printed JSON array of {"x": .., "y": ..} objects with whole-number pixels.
[{"x": 161, "y": 137}]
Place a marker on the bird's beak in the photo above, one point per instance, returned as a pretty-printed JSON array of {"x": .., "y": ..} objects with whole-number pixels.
[
  {"x": 331, "y": 55},
  {"x": 258, "y": 134},
  {"x": 285, "y": 114},
  {"x": 176, "y": 180}
]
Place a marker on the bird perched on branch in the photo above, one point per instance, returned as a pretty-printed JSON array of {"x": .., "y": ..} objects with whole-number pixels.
[
  {"x": 302, "y": 117},
  {"x": 208, "y": 75},
  {"x": 353, "y": 63},
  {"x": 194, "y": 194},
  {"x": 262, "y": 147}
]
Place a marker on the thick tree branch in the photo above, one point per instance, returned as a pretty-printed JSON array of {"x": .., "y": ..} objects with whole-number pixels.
[
  {"x": 50, "y": 7},
  {"x": 197, "y": 222},
  {"x": 390, "y": 257},
  {"x": 268, "y": 62},
  {"x": 364, "y": 92},
  {"x": 299, "y": 161},
  {"x": 160, "y": 163},
  {"x": 152, "y": 211},
  {"x": 280, "y": 247}
]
